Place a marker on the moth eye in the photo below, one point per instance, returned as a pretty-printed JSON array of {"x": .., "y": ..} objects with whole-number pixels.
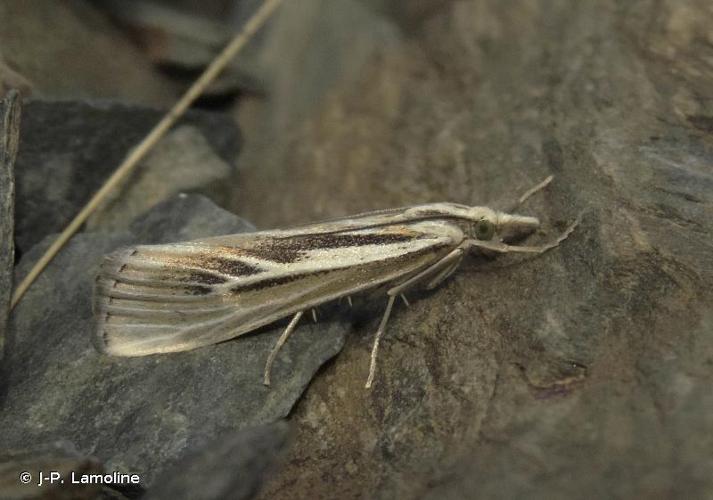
[{"x": 484, "y": 229}]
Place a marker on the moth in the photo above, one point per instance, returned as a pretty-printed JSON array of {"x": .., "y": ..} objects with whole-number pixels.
[{"x": 174, "y": 297}]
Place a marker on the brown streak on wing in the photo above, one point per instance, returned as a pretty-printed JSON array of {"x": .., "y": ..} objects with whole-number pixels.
[
  {"x": 205, "y": 278},
  {"x": 294, "y": 248},
  {"x": 281, "y": 280}
]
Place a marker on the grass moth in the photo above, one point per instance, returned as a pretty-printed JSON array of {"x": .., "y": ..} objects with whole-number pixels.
[{"x": 174, "y": 297}]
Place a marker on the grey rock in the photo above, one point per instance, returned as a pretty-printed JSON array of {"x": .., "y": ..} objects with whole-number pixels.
[
  {"x": 9, "y": 139},
  {"x": 184, "y": 39},
  {"x": 170, "y": 35},
  {"x": 182, "y": 161},
  {"x": 140, "y": 415},
  {"x": 336, "y": 38},
  {"x": 70, "y": 148},
  {"x": 586, "y": 371},
  {"x": 69, "y": 50},
  {"x": 12, "y": 80},
  {"x": 183, "y": 218},
  {"x": 20, "y": 472},
  {"x": 230, "y": 467}
]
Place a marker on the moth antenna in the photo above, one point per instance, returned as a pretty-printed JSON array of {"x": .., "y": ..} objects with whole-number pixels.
[{"x": 533, "y": 190}]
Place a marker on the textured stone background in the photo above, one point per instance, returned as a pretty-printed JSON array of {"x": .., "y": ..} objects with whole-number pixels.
[
  {"x": 10, "y": 112},
  {"x": 586, "y": 371}
]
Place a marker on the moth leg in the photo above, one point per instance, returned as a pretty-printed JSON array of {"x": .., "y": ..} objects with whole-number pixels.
[
  {"x": 442, "y": 276},
  {"x": 314, "y": 314},
  {"x": 403, "y": 297},
  {"x": 505, "y": 248},
  {"x": 455, "y": 255},
  {"x": 533, "y": 190},
  {"x": 349, "y": 299},
  {"x": 280, "y": 342},
  {"x": 377, "y": 339}
]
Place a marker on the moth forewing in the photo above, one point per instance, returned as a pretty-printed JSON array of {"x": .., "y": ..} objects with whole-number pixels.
[{"x": 166, "y": 298}]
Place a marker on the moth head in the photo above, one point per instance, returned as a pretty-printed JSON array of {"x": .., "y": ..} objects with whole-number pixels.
[
  {"x": 481, "y": 223},
  {"x": 487, "y": 224},
  {"x": 512, "y": 227}
]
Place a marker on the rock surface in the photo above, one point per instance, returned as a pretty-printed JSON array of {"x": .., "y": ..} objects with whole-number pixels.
[
  {"x": 585, "y": 370},
  {"x": 70, "y": 148},
  {"x": 231, "y": 466},
  {"x": 20, "y": 472},
  {"x": 69, "y": 50},
  {"x": 9, "y": 139},
  {"x": 183, "y": 161},
  {"x": 141, "y": 415},
  {"x": 302, "y": 57}
]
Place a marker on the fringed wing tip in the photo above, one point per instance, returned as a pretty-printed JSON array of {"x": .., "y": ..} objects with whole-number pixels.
[
  {"x": 112, "y": 265},
  {"x": 144, "y": 303}
]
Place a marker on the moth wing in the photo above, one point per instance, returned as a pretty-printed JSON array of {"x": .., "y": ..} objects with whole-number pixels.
[
  {"x": 166, "y": 298},
  {"x": 145, "y": 296}
]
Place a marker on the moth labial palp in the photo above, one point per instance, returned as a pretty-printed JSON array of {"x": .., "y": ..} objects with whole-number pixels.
[{"x": 226, "y": 286}]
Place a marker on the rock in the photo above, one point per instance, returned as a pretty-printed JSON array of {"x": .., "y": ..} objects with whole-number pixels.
[
  {"x": 184, "y": 39},
  {"x": 9, "y": 140},
  {"x": 183, "y": 218},
  {"x": 584, "y": 370},
  {"x": 11, "y": 79},
  {"x": 231, "y": 466},
  {"x": 20, "y": 472},
  {"x": 78, "y": 55},
  {"x": 70, "y": 148},
  {"x": 171, "y": 36},
  {"x": 183, "y": 161},
  {"x": 331, "y": 55},
  {"x": 142, "y": 415}
]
